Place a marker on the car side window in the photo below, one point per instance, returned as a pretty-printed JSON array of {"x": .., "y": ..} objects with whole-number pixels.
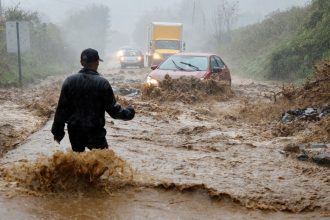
[
  {"x": 219, "y": 62},
  {"x": 214, "y": 63}
]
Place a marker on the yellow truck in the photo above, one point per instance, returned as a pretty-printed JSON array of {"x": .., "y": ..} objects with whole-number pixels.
[{"x": 164, "y": 40}]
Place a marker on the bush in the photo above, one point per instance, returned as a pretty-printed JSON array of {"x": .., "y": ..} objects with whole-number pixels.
[
  {"x": 284, "y": 46},
  {"x": 296, "y": 59}
]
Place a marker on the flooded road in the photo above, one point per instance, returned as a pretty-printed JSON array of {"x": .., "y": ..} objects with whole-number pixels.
[
  {"x": 134, "y": 204},
  {"x": 199, "y": 161}
]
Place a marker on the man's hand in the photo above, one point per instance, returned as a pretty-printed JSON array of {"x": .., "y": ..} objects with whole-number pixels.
[
  {"x": 57, "y": 140},
  {"x": 130, "y": 113}
]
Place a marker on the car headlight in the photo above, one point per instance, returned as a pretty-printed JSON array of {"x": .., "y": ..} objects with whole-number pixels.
[
  {"x": 151, "y": 81},
  {"x": 139, "y": 58},
  {"x": 120, "y": 53},
  {"x": 157, "y": 56}
]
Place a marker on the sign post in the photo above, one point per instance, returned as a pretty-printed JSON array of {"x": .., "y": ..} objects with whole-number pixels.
[
  {"x": 19, "y": 56},
  {"x": 18, "y": 41}
]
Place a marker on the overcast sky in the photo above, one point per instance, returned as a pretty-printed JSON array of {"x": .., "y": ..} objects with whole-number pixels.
[{"x": 124, "y": 13}]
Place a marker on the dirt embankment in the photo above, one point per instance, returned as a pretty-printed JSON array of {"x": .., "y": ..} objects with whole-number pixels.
[
  {"x": 25, "y": 111},
  {"x": 315, "y": 92}
]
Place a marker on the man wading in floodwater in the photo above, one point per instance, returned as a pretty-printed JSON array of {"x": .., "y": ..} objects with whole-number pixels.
[{"x": 84, "y": 99}]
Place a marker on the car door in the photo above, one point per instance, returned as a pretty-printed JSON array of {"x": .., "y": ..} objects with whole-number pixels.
[
  {"x": 224, "y": 72},
  {"x": 216, "y": 67}
]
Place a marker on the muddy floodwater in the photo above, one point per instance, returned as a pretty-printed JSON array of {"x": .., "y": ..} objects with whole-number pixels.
[{"x": 175, "y": 160}]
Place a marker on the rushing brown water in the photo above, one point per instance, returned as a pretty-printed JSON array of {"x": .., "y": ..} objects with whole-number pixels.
[
  {"x": 70, "y": 171},
  {"x": 173, "y": 161},
  {"x": 139, "y": 197}
]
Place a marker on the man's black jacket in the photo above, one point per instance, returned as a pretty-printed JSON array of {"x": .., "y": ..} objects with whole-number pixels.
[{"x": 84, "y": 99}]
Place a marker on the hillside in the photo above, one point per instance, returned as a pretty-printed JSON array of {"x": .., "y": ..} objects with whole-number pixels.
[{"x": 284, "y": 46}]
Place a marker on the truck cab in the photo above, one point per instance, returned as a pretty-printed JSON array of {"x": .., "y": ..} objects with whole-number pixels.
[{"x": 165, "y": 39}]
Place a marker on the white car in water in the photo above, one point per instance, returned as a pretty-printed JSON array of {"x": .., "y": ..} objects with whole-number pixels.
[{"x": 130, "y": 57}]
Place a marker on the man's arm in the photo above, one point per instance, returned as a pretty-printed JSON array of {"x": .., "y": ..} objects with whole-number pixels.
[
  {"x": 113, "y": 108},
  {"x": 62, "y": 114}
]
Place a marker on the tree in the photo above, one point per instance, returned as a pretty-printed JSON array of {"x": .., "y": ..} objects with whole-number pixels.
[
  {"x": 224, "y": 17},
  {"x": 48, "y": 55},
  {"x": 88, "y": 28}
]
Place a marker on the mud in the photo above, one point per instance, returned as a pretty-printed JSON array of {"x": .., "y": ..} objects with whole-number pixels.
[
  {"x": 222, "y": 157},
  {"x": 24, "y": 111},
  {"x": 187, "y": 90},
  {"x": 315, "y": 91}
]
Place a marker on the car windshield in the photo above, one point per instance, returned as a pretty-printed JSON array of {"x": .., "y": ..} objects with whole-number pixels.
[
  {"x": 167, "y": 44},
  {"x": 131, "y": 53},
  {"x": 188, "y": 63}
]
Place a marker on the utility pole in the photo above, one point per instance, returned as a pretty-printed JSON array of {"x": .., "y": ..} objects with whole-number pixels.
[
  {"x": 193, "y": 14},
  {"x": 0, "y": 9}
]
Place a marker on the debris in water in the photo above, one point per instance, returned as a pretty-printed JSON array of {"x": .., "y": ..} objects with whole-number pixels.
[
  {"x": 309, "y": 114},
  {"x": 318, "y": 153},
  {"x": 131, "y": 92},
  {"x": 293, "y": 148},
  {"x": 322, "y": 159},
  {"x": 319, "y": 145},
  {"x": 188, "y": 90}
]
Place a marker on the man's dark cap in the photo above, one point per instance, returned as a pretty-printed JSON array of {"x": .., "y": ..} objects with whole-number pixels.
[{"x": 90, "y": 55}]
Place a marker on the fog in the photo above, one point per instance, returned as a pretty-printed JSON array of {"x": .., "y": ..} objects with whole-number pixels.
[{"x": 126, "y": 14}]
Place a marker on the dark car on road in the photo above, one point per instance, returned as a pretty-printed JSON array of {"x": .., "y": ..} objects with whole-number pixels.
[
  {"x": 130, "y": 57},
  {"x": 199, "y": 65}
]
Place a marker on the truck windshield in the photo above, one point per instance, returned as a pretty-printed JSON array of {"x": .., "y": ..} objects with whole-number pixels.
[{"x": 167, "y": 44}]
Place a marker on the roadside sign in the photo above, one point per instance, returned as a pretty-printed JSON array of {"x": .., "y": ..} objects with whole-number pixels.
[
  {"x": 18, "y": 41},
  {"x": 24, "y": 36}
]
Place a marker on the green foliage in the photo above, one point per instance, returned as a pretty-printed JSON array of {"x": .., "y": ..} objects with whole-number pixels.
[
  {"x": 250, "y": 50},
  {"x": 295, "y": 59},
  {"x": 18, "y": 14},
  {"x": 286, "y": 45},
  {"x": 48, "y": 56}
]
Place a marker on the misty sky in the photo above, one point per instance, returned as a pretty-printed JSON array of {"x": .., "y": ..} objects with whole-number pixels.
[{"x": 125, "y": 12}]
